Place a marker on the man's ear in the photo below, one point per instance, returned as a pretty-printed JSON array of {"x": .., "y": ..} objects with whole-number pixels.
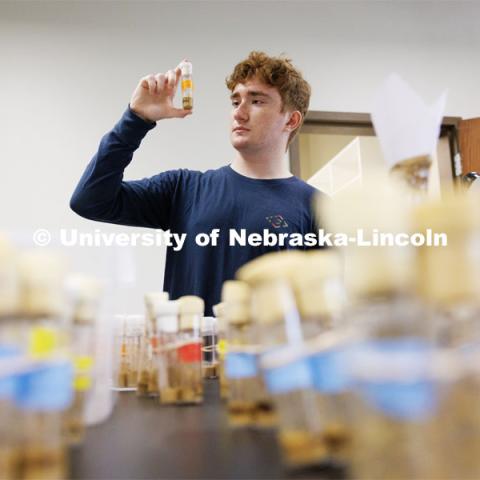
[{"x": 294, "y": 120}]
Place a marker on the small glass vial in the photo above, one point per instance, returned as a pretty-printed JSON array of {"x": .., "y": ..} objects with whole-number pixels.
[
  {"x": 448, "y": 280},
  {"x": 85, "y": 297},
  {"x": 209, "y": 347},
  {"x": 144, "y": 357},
  {"x": 288, "y": 377},
  {"x": 151, "y": 301},
  {"x": 9, "y": 416},
  {"x": 395, "y": 395},
  {"x": 42, "y": 306},
  {"x": 222, "y": 347},
  {"x": 321, "y": 299},
  {"x": 241, "y": 362},
  {"x": 129, "y": 330},
  {"x": 289, "y": 380},
  {"x": 187, "y": 85},
  {"x": 189, "y": 350},
  {"x": 328, "y": 356},
  {"x": 44, "y": 394},
  {"x": 276, "y": 325},
  {"x": 395, "y": 410},
  {"x": 167, "y": 360}
]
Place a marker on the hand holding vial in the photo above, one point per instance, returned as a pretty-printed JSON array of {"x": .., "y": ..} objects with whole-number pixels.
[{"x": 153, "y": 97}]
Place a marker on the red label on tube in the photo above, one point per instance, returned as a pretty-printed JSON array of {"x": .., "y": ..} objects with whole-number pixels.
[{"x": 190, "y": 353}]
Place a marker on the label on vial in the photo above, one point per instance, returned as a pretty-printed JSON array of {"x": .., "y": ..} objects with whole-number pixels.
[
  {"x": 293, "y": 376},
  {"x": 222, "y": 347},
  {"x": 186, "y": 84},
  {"x": 43, "y": 342},
  {"x": 82, "y": 383},
  {"x": 241, "y": 365},
  {"x": 190, "y": 352},
  {"x": 403, "y": 388},
  {"x": 329, "y": 371}
]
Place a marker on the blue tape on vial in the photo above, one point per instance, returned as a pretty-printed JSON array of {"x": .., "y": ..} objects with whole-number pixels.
[
  {"x": 46, "y": 388},
  {"x": 8, "y": 382},
  {"x": 404, "y": 399},
  {"x": 241, "y": 365},
  {"x": 329, "y": 371},
  {"x": 287, "y": 378}
]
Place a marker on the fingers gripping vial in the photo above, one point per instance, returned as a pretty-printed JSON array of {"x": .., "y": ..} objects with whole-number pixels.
[{"x": 187, "y": 85}]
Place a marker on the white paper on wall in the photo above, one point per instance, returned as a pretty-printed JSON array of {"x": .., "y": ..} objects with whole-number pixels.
[{"x": 405, "y": 125}]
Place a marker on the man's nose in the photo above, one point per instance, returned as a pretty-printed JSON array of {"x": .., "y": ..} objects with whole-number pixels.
[{"x": 240, "y": 112}]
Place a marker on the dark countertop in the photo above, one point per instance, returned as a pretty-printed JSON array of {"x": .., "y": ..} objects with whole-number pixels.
[{"x": 145, "y": 440}]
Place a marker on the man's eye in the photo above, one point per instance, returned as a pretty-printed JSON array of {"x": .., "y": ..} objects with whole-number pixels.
[
  {"x": 235, "y": 103},
  {"x": 257, "y": 102}
]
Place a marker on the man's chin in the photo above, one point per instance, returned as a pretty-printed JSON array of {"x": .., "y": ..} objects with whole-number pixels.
[{"x": 239, "y": 144}]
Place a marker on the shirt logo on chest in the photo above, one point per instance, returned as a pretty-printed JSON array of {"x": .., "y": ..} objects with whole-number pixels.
[{"x": 277, "y": 221}]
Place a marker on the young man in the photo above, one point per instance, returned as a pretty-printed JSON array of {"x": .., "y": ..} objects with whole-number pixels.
[{"x": 255, "y": 192}]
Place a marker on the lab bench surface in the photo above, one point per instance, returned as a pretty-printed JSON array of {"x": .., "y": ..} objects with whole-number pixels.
[{"x": 143, "y": 440}]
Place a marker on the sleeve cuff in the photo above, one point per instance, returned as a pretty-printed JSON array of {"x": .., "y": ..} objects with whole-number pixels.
[{"x": 132, "y": 129}]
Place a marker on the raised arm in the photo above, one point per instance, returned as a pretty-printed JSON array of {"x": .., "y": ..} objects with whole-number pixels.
[{"x": 101, "y": 193}]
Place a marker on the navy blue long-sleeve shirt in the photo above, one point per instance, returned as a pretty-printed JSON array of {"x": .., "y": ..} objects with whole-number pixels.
[{"x": 191, "y": 202}]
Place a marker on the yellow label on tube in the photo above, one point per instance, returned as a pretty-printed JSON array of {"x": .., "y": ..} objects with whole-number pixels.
[
  {"x": 187, "y": 84},
  {"x": 222, "y": 347},
  {"x": 43, "y": 342},
  {"x": 82, "y": 383},
  {"x": 83, "y": 363}
]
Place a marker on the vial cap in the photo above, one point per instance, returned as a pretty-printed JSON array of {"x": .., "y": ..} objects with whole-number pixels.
[
  {"x": 168, "y": 323},
  {"x": 154, "y": 299},
  {"x": 186, "y": 68},
  {"x": 85, "y": 292},
  {"x": 236, "y": 291},
  {"x": 219, "y": 309},
  {"x": 238, "y": 313},
  {"x": 273, "y": 303},
  {"x": 209, "y": 324},
  {"x": 271, "y": 266},
  {"x": 191, "y": 305},
  {"x": 454, "y": 213},
  {"x": 317, "y": 266},
  {"x": 166, "y": 308},
  {"x": 41, "y": 283}
]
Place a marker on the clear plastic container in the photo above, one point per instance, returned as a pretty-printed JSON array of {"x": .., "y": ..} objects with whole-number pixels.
[
  {"x": 189, "y": 350},
  {"x": 241, "y": 361},
  {"x": 455, "y": 435},
  {"x": 274, "y": 306},
  {"x": 448, "y": 280},
  {"x": 328, "y": 357},
  {"x": 321, "y": 299},
  {"x": 396, "y": 409},
  {"x": 167, "y": 360},
  {"x": 288, "y": 378},
  {"x": 101, "y": 399}
]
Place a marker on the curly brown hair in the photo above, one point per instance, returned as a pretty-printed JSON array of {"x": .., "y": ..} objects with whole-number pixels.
[{"x": 277, "y": 72}]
